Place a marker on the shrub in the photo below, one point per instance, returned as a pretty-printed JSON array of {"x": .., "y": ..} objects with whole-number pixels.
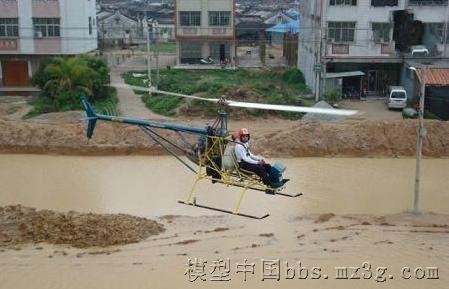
[
  {"x": 293, "y": 76},
  {"x": 64, "y": 80},
  {"x": 332, "y": 95}
]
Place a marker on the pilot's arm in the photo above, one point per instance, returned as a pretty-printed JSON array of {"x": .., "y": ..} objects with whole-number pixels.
[{"x": 254, "y": 157}]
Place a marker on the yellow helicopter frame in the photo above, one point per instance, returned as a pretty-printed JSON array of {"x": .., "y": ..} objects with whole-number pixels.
[{"x": 208, "y": 166}]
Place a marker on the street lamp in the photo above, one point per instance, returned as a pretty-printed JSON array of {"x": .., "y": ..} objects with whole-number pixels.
[{"x": 420, "y": 138}]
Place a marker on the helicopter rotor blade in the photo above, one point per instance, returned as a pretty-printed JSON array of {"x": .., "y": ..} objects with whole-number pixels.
[
  {"x": 153, "y": 90},
  {"x": 231, "y": 103},
  {"x": 291, "y": 108}
]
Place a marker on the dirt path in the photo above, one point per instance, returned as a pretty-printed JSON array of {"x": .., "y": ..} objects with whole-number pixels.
[
  {"x": 373, "y": 109},
  {"x": 131, "y": 104},
  {"x": 14, "y": 107}
]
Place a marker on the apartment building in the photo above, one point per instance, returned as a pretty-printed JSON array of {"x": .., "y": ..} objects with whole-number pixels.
[
  {"x": 363, "y": 46},
  {"x": 205, "y": 28},
  {"x": 31, "y": 30}
]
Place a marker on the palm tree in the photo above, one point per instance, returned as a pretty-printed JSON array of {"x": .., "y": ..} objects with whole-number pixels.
[{"x": 69, "y": 74}]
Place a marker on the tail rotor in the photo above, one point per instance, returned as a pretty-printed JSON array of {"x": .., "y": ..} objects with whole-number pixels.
[{"x": 91, "y": 117}]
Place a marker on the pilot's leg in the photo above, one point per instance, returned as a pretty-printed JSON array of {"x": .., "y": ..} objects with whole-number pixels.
[{"x": 258, "y": 170}]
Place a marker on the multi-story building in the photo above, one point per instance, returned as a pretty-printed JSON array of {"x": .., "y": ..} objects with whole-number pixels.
[
  {"x": 205, "y": 28},
  {"x": 31, "y": 30},
  {"x": 364, "y": 45}
]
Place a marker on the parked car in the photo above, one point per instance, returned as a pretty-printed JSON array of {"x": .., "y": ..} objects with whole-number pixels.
[
  {"x": 419, "y": 51},
  {"x": 396, "y": 97}
]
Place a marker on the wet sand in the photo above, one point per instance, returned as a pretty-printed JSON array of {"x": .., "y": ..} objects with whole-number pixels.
[{"x": 352, "y": 212}]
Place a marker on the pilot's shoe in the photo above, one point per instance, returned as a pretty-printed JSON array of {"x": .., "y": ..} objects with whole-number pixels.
[{"x": 277, "y": 185}]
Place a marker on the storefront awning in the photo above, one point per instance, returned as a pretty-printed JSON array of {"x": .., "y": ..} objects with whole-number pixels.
[{"x": 344, "y": 74}]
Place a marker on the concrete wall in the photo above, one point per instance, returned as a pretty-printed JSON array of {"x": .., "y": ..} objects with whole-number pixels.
[
  {"x": 74, "y": 26},
  {"x": 309, "y": 41}
]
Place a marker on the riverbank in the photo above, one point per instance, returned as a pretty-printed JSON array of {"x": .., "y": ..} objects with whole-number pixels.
[{"x": 271, "y": 138}]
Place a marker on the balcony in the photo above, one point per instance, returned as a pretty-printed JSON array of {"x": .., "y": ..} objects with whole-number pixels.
[
  {"x": 219, "y": 31},
  {"x": 189, "y": 31},
  {"x": 427, "y": 2},
  {"x": 204, "y": 32}
]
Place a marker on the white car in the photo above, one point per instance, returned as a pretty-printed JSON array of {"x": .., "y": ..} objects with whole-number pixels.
[
  {"x": 419, "y": 51},
  {"x": 396, "y": 97}
]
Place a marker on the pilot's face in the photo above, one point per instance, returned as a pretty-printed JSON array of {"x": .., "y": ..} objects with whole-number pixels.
[{"x": 245, "y": 138}]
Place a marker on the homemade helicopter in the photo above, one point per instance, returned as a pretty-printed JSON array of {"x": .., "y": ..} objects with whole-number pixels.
[{"x": 212, "y": 152}]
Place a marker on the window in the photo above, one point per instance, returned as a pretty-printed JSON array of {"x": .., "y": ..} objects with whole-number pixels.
[
  {"x": 437, "y": 30},
  {"x": 90, "y": 25},
  {"x": 384, "y": 3},
  {"x": 381, "y": 32},
  {"x": 343, "y": 2},
  {"x": 341, "y": 31},
  {"x": 9, "y": 27},
  {"x": 46, "y": 27},
  {"x": 190, "y": 18},
  {"x": 219, "y": 18}
]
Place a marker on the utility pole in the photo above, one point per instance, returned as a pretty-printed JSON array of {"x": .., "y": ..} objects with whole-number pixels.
[
  {"x": 157, "y": 53},
  {"x": 445, "y": 30},
  {"x": 324, "y": 65},
  {"x": 317, "y": 60},
  {"x": 148, "y": 54},
  {"x": 420, "y": 139}
]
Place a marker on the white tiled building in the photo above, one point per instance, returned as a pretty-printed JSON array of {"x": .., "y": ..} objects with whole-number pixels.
[
  {"x": 33, "y": 29},
  {"x": 205, "y": 28},
  {"x": 369, "y": 36}
]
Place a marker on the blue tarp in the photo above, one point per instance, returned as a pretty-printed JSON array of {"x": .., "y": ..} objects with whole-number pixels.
[{"x": 292, "y": 27}]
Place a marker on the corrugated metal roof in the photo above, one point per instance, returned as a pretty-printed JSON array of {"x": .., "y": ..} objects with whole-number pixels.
[{"x": 434, "y": 76}]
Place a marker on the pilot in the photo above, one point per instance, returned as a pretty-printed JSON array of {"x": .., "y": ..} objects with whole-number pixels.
[{"x": 250, "y": 162}]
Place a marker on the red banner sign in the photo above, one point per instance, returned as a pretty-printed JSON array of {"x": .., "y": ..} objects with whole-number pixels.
[{"x": 8, "y": 44}]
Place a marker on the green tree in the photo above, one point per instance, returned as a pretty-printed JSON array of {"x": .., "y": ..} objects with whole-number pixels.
[
  {"x": 70, "y": 74},
  {"x": 101, "y": 78},
  {"x": 64, "y": 80}
]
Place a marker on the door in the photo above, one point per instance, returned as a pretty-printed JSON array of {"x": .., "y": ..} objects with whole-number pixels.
[
  {"x": 372, "y": 81},
  {"x": 222, "y": 52},
  {"x": 15, "y": 73}
]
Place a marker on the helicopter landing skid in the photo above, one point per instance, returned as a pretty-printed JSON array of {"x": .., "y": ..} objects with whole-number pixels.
[
  {"x": 195, "y": 204},
  {"x": 288, "y": 195}
]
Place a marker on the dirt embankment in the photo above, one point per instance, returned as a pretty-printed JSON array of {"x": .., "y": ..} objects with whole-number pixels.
[
  {"x": 358, "y": 139},
  {"x": 21, "y": 225},
  {"x": 303, "y": 139}
]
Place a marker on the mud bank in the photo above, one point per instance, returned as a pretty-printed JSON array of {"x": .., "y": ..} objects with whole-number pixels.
[
  {"x": 303, "y": 139},
  {"x": 21, "y": 225},
  {"x": 359, "y": 139}
]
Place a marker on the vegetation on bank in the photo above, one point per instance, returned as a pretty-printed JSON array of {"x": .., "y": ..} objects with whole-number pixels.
[
  {"x": 64, "y": 80},
  {"x": 285, "y": 87}
]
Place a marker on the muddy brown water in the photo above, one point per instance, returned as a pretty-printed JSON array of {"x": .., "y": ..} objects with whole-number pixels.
[{"x": 151, "y": 186}]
